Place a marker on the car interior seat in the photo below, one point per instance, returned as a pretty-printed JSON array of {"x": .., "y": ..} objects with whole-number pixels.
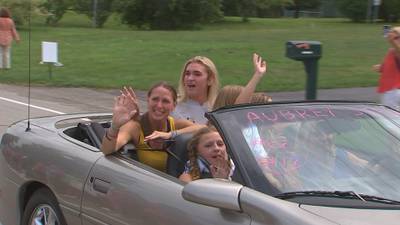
[
  {"x": 95, "y": 132},
  {"x": 178, "y": 155}
]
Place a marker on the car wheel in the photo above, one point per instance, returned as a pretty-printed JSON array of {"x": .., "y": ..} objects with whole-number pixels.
[{"x": 42, "y": 209}]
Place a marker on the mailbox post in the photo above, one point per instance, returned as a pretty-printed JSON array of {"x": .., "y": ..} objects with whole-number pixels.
[{"x": 309, "y": 52}]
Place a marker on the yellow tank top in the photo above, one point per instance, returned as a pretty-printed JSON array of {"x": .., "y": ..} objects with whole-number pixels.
[{"x": 153, "y": 157}]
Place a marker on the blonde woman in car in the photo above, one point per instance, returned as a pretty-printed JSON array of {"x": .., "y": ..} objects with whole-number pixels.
[{"x": 198, "y": 88}]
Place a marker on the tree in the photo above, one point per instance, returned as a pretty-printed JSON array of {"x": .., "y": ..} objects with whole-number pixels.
[
  {"x": 390, "y": 10},
  {"x": 21, "y": 9},
  {"x": 256, "y": 8},
  {"x": 101, "y": 8},
  {"x": 355, "y": 10},
  {"x": 55, "y": 10},
  {"x": 271, "y": 8},
  {"x": 230, "y": 7},
  {"x": 247, "y": 9},
  {"x": 169, "y": 14},
  {"x": 213, "y": 12},
  {"x": 298, "y": 5}
]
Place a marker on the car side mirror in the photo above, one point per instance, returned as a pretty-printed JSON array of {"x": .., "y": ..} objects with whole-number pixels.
[{"x": 217, "y": 193}]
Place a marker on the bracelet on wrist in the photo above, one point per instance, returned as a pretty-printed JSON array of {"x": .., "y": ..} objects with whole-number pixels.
[
  {"x": 174, "y": 133},
  {"x": 110, "y": 136},
  {"x": 107, "y": 137},
  {"x": 114, "y": 128}
]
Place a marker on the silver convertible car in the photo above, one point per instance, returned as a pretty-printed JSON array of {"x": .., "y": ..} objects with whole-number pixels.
[{"x": 324, "y": 163}]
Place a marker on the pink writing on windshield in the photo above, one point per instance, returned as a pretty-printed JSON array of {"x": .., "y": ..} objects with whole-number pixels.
[
  {"x": 290, "y": 115},
  {"x": 278, "y": 165},
  {"x": 280, "y": 142}
]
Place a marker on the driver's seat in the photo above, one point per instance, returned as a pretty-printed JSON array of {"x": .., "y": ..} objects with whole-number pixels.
[{"x": 178, "y": 155}]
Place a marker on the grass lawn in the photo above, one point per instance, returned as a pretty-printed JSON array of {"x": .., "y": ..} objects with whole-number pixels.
[{"x": 118, "y": 55}]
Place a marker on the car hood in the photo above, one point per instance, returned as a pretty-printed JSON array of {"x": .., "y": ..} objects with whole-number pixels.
[{"x": 352, "y": 216}]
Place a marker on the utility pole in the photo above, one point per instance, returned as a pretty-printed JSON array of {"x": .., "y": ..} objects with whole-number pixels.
[
  {"x": 94, "y": 13},
  {"x": 369, "y": 10}
]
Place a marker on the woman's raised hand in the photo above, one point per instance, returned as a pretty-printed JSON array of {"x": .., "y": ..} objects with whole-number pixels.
[
  {"x": 125, "y": 108},
  {"x": 260, "y": 66},
  {"x": 128, "y": 91}
]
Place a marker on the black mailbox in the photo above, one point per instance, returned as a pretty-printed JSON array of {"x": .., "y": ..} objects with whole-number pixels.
[
  {"x": 309, "y": 52},
  {"x": 301, "y": 50}
]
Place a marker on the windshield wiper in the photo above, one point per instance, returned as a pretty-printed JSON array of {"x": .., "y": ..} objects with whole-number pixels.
[{"x": 338, "y": 194}]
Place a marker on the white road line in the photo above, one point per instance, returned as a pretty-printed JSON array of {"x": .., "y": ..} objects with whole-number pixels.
[{"x": 33, "y": 106}]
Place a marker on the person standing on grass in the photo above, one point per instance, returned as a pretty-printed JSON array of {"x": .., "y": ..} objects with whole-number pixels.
[
  {"x": 8, "y": 33},
  {"x": 198, "y": 88},
  {"x": 389, "y": 82}
]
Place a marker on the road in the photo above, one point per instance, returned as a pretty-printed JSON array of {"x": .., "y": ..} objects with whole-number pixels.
[{"x": 51, "y": 101}]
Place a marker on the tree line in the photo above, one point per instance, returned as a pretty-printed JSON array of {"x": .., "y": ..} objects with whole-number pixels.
[{"x": 185, "y": 14}]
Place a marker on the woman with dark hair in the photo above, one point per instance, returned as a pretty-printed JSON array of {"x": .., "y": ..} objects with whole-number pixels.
[
  {"x": 8, "y": 33},
  {"x": 207, "y": 157},
  {"x": 149, "y": 131}
]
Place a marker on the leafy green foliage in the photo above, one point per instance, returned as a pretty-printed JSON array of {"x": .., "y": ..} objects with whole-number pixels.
[
  {"x": 21, "y": 9},
  {"x": 353, "y": 9},
  {"x": 390, "y": 10},
  {"x": 170, "y": 14},
  {"x": 271, "y": 8},
  {"x": 254, "y": 8},
  {"x": 298, "y": 5},
  {"x": 247, "y": 9},
  {"x": 55, "y": 9},
  {"x": 104, "y": 10},
  {"x": 213, "y": 12}
]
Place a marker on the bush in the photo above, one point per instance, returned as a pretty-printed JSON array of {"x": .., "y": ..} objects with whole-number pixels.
[
  {"x": 21, "y": 9},
  {"x": 104, "y": 10},
  {"x": 170, "y": 14},
  {"x": 271, "y": 8},
  {"x": 55, "y": 10},
  {"x": 353, "y": 9},
  {"x": 254, "y": 8},
  {"x": 390, "y": 10}
]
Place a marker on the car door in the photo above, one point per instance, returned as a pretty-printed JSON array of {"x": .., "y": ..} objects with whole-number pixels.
[{"x": 122, "y": 191}]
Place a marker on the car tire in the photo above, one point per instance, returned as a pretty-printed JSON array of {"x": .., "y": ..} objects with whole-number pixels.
[{"x": 43, "y": 208}]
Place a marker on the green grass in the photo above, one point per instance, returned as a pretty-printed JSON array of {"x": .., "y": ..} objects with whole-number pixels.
[{"x": 118, "y": 55}]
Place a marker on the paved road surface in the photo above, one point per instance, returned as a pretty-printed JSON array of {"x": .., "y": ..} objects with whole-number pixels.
[{"x": 50, "y": 101}]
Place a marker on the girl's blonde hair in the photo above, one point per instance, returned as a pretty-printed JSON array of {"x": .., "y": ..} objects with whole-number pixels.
[
  {"x": 212, "y": 74},
  {"x": 193, "y": 152},
  {"x": 227, "y": 96}
]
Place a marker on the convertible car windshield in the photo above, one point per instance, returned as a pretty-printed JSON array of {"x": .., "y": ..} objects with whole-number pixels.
[{"x": 318, "y": 147}]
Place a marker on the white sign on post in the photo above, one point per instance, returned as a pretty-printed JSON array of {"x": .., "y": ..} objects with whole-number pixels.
[{"x": 49, "y": 52}]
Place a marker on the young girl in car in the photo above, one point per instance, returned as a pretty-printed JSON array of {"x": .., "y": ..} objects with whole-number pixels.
[{"x": 207, "y": 157}]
